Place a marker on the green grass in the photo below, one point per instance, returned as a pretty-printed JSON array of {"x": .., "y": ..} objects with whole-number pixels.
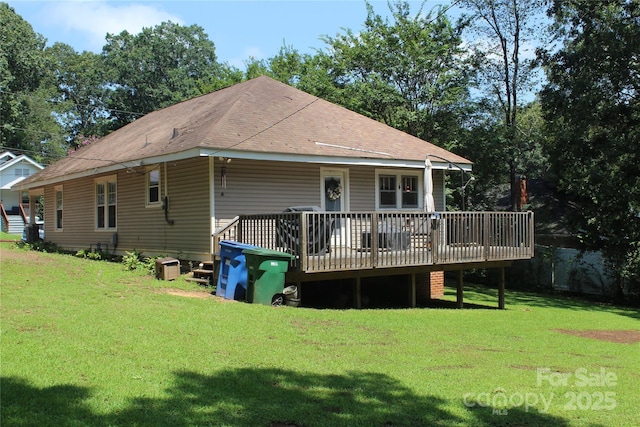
[
  {"x": 7, "y": 236},
  {"x": 87, "y": 343}
]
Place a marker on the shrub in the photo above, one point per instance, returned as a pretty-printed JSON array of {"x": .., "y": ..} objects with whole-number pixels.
[
  {"x": 95, "y": 255},
  {"x": 133, "y": 260}
]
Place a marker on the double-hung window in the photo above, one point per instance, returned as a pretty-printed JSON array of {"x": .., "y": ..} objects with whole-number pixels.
[
  {"x": 397, "y": 189},
  {"x": 59, "y": 208},
  {"x": 153, "y": 186},
  {"x": 106, "y": 203}
]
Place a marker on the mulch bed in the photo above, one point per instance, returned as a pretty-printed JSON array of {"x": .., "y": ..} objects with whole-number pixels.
[{"x": 617, "y": 336}]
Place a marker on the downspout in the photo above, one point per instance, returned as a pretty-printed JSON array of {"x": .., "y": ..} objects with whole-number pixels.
[
  {"x": 165, "y": 200},
  {"x": 212, "y": 203}
]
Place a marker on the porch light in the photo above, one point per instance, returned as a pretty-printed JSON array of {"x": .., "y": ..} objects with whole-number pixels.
[{"x": 462, "y": 183}]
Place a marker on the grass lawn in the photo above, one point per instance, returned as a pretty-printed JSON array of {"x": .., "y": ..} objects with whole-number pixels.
[
  {"x": 6, "y": 236},
  {"x": 87, "y": 343}
]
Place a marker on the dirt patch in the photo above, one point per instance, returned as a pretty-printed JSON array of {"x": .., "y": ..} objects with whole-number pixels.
[
  {"x": 187, "y": 294},
  {"x": 617, "y": 336},
  {"x": 28, "y": 256}
]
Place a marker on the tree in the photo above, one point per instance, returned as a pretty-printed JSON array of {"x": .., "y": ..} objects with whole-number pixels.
[
  {"x": 503, "y": 72},
  {"x": 82, "y": 91},
  {"x": 156, "y": 68},
  {"x": 26, "y": 123},
  {"x": 592, "y": 106},
  {"x": 407, "y": 73}
]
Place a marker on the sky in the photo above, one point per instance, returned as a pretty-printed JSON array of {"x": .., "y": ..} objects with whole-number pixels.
[{"x": 239, "y": 29}]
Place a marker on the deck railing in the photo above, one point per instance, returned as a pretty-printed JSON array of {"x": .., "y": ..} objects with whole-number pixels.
[
  {"x": 4, "y": 218},
  {"x": 339, "y": 241},
  {"x": 226, "y": 232},
  {"x": 23, "y": 214}
]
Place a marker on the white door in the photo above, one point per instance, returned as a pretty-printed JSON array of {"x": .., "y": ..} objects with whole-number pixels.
[{"x": 335, "y": 198}]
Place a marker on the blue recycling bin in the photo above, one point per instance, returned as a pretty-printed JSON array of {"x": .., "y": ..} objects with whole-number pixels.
[{"x": 232, "y": 279}]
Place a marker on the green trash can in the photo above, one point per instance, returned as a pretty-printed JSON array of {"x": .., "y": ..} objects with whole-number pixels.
[{"x": 265, "y": 275}]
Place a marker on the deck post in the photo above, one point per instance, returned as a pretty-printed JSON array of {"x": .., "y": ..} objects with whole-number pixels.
[
  {"x": 357, "y": 294},
  {"x": 501, "y": 289},
  {"x": 460, "y": 290},
  {"x": 412, "y": 291},
  {"x": 374, "y": 240}
]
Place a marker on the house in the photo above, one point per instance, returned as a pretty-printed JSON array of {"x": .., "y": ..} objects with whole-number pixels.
[
  {"x": 177, "y": 180},
  {"x": 14, "y": 204}
]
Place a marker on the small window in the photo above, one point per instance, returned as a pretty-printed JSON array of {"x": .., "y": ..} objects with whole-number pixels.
[
  {"x": 106, "y": 203},
  {"x": 59, "y": 208},
  {"x": 153, "y": 187},
  {"x": 398, "y": 189},
  {"x": 387, "y": 191},
  {"x": 409, "y": 192},
  {"x": 22, "y": 172}
]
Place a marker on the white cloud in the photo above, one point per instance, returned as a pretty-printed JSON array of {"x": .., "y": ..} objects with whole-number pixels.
[
  {"x": 248, "y": 53},
  {"x": 94, "y": 19}
]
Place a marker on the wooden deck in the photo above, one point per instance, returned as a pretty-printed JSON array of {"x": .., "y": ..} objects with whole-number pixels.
[{"x": 334, "y": 242}]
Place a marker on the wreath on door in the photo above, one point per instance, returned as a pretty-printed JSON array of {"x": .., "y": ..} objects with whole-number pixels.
[{"x": 334, "y": 190}]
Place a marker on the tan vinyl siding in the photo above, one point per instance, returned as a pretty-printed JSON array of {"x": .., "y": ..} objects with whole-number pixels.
[
  {"x": 264, "y": 187},
  {"x": 139, "y": 227},
  {"x": 270, "y": 187},
  {"x": 251, "y": 187},
  {"x": 146, "y": 229},
  {"x": 363, "y": 188},
  {"x": 78, "y": 219}
]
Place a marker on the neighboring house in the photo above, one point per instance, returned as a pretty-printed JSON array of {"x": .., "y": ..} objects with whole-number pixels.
[
  {"x": 165, "y": 183},
  {"x": 13, "y": 170}
]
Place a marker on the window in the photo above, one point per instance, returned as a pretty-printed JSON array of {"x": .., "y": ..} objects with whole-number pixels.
[
  {"x": 106, "y": 203},
  {"x": 387, "y": 191},
  {"x": 398, "y": 189},
  {"x": 58, "y": 208},
  {"x": 409, "y": 191},
  {"x": 153, "y": 187},
  {"x": 22, "y": 172}
]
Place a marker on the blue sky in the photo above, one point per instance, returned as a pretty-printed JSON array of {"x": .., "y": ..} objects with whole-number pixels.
[{"x": 239, "y": 29}]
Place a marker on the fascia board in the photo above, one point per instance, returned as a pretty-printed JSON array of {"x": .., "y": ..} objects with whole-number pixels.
[{"x": 348, "y": 161}]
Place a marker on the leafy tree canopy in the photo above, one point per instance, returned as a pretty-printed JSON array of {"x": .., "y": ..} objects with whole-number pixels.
[
  {"x": 26, "y": 120},
  {"x": 592, "y": 106},
  {"x": 156, "y": 68},
  {"x": 407, "y": 73}
]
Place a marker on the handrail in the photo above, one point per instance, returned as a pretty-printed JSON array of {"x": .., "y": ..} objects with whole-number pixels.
[
  {"x": 225, "y": 232},
  {"x": 23, "y": 214},
  {"x": 5, "y": 217}
]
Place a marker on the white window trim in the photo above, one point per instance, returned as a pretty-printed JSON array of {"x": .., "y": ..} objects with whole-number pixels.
[
  {"x": 398, "y": 174},
  {"x": 56, "y": 189},
  {"x": 158, "y": 203},
  {"x": 104, "y": 180},
  {"x": 346, "y": 199}
]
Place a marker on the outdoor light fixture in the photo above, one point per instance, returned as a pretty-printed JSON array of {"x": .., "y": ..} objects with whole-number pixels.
[
  {"x": 462, "y": 183},
  {"x": 472, "y": 178}
]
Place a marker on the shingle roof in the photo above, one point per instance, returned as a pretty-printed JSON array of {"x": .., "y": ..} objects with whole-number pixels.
[{"x": 261, "y": 115}]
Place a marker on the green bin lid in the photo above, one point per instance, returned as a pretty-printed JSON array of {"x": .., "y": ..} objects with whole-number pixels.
[{"x": 267, "y": 253}]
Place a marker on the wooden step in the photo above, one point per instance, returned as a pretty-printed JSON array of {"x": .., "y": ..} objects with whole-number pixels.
[
  {"x": 197, "y": 280},
  {"x": 202, "y": 271}
]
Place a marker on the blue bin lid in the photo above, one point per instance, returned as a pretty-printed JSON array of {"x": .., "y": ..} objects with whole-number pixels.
[{"x": 234, "y": 244}]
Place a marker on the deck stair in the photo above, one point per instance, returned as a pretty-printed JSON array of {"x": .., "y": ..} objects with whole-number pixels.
[{"x": 204, "y": 274}]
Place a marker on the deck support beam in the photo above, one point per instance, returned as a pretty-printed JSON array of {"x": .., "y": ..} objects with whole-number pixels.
[
  {"x": 357, "y": 293},
  {"x": 501, "y": 289},
  {"x": 412, "y": 291},
  {"x": 460, "y": 290}
]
